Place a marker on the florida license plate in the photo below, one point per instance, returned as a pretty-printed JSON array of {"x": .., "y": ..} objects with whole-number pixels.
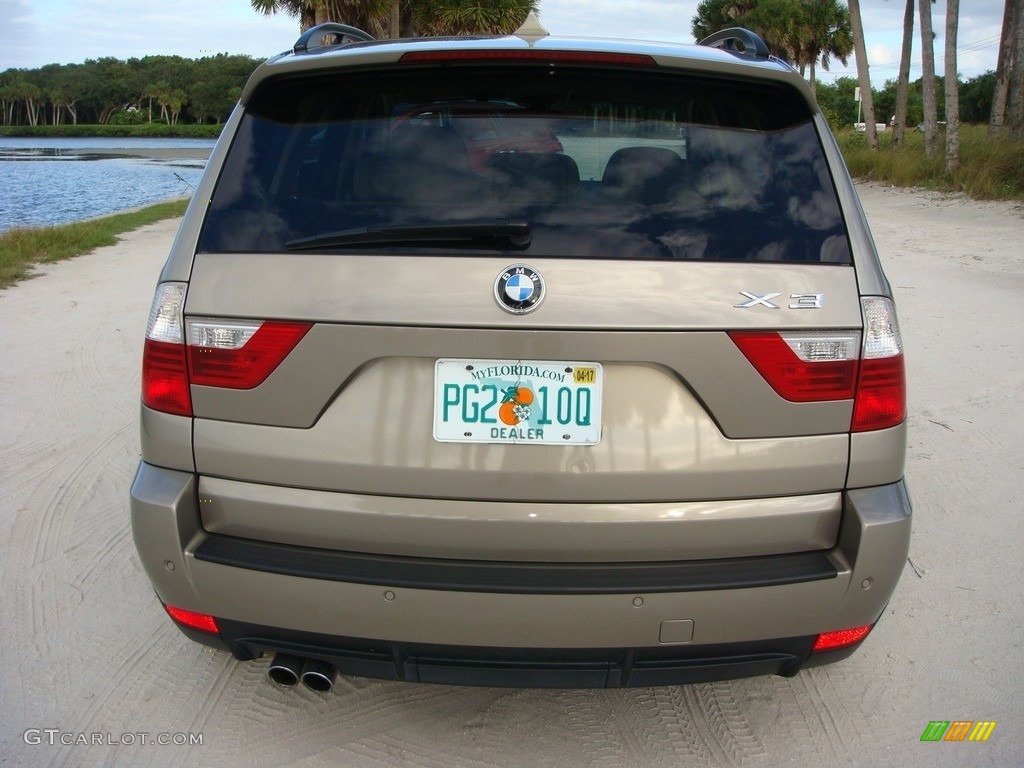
[{"x": 517, "y": 401}]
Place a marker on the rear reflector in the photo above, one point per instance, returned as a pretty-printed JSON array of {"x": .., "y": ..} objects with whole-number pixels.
[
  {"x": 201, "y": 621},
  {"x": 238, "y": 355},
  {"x": 830, "y": 641},
  {"x": 531, "y": 55}
]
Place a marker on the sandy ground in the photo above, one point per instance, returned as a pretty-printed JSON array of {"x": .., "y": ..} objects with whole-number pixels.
[{"x": 90, "y": 668}]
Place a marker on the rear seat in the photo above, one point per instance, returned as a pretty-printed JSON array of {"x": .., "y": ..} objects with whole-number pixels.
[
  {"x": 533, "y": 178},
  {"x": 424, "y": 165},
  {"x": 642, "y": 175}
]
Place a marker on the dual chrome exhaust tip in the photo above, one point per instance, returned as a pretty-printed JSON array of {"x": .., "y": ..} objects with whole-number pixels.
[{"x": 287, "y": 670}]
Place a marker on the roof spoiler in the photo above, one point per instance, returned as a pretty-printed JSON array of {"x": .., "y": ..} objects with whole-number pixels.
[
  {"x": 329, "y": 34},
  {"x": 739, "y": 41}
]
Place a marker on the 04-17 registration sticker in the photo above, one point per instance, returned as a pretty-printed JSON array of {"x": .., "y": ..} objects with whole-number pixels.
[{"x": 517, "y": 401}]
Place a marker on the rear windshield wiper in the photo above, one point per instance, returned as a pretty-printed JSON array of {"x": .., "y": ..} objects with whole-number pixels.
[{"x": 504, "y": 234}]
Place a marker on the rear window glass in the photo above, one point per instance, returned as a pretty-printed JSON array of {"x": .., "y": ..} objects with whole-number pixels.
[{"x": 551, "y": 161}]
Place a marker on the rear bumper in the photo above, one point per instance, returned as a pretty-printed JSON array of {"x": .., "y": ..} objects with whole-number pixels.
[
  {"x": 523, "y": 624},
  {"x": 524, "y": 667}
]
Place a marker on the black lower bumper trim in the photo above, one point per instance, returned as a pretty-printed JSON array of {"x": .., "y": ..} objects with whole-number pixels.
[
  {"x": 516, "y": 577},
  {"x": 525, "y": 667}
]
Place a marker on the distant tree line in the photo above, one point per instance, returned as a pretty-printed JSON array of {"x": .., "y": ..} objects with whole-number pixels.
[
  {"x": 167, "y": 89},
  {"x": 975, "y": 96},
  {"x": 175, "y": 91}
]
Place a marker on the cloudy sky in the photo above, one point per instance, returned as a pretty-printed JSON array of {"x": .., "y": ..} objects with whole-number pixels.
[{"x": 38, "y": 32}]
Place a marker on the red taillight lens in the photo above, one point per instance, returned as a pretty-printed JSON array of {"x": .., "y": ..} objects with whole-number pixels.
[
  {"x": 201, "y": 621},
  {"x": 804, "y": 367},
  {"x": 165, "y": 379},
  {"x": 881, "y": 396},
  {"x": 239, "y": 355},
  {"x": 830, "y": 641},
  {"x": 164, "y": 369}
]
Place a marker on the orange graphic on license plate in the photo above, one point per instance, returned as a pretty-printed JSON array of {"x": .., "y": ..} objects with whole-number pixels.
[{"x": 515, "y": 405}]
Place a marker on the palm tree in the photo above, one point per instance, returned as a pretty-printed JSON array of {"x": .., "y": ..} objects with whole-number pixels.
[
  {"x": 470, "y": 17},
  {"x": 374, "y": 16},
  {"x": 711, "y": 16},
  {"x": 300, "y": 9},
  {"x": 863, "y": 76},
  {"x": 1004, "y": 66},
  {"x": 823, "y": 31},
  {"x": 1016, "y": 96},
  {"x": 952, "y": 89},
  {"x": 903, "y": 79},
  {"x": 370, "y": 15},
  {"x": 388, "y": 18},
  {"x": 805, "y": 32},
  {"x": 931, "y": 112},
  {"x": 714, "y": 15}
]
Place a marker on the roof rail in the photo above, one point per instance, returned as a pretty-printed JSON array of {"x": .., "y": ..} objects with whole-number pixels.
[
  {"x": 342, "y": 34},
  {"x": 738, "y": 40}
]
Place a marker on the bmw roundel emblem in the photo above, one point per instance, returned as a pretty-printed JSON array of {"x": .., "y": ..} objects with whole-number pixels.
[{"x": 519, "y": 289}]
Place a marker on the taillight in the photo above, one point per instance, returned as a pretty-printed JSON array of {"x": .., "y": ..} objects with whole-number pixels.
[
  {"x": 819, "y": 366},
  {"x": 804, "y": 367},
  {"x": 200, "y": 621},
  {"x": 882, "y": 389},
  {"x": 213, "y": 353},
  {"x": 164, "y": 368},
  {"x": 238, "y": 355},
  {"x": 842, "y": 638}
]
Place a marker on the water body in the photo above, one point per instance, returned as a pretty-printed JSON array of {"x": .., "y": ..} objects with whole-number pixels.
[{"x": 57, "y": 181}]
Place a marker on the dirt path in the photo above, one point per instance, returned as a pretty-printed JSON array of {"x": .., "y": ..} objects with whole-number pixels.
[{"x": 87, "y": 656}]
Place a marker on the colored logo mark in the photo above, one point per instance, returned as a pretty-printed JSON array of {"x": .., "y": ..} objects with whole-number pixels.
[
  {"x": 515, "y": 405},
  {"x": 958, "y": 730},
  {"x": 519, "y": 288}
]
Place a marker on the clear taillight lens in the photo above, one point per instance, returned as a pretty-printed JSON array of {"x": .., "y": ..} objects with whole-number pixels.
[{"x": 165, "y": 322}]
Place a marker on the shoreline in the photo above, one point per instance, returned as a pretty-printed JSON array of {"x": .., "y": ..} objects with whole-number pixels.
[
  {"x": 155, "y": 153},
  {"x": 28, "y": 252},
  {"x": 25, "y": 151}
]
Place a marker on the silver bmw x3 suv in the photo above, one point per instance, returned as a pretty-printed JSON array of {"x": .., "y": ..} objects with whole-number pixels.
[{"x": 524, "y": 361}]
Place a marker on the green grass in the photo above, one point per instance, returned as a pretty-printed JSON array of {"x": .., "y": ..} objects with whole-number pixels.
[
  {"x": 21, "y": 248},
  {"x": 989, "y": 170},
  {"x": 143, "y": 131}
]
